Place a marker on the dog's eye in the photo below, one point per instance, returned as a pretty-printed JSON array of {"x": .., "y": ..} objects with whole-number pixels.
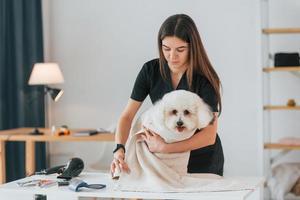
[
  {"x": 174, "y": 112},
  {"x": 186, "y": 112}
]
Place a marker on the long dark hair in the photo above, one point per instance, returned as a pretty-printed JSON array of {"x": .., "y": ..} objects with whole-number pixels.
[{"x": 183, "y": 27}]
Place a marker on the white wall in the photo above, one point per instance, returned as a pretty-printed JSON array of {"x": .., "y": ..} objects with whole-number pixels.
[{"x": 101, "y": 45}]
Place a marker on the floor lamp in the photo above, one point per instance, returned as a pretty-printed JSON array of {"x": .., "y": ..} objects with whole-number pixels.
[{"x": 46, "y": 74}]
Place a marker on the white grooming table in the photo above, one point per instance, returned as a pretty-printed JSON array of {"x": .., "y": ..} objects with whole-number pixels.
[{"x": 12, "y": 191}]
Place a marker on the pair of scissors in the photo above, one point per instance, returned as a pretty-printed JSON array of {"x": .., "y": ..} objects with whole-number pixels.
[
  {"x": 37, "y": 182},
  {"x": 33, "y": 182}
]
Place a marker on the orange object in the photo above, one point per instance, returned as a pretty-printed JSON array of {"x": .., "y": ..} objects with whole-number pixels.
[
  {"x": 62, "y": 131},
  {"x": 291, "y": 102}
]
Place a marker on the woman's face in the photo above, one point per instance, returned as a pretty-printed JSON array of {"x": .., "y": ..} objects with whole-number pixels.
[{"x": 176, "y": 53}]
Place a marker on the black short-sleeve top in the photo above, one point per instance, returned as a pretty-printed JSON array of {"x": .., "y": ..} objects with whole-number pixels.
[{"x": 150, "y": 82}]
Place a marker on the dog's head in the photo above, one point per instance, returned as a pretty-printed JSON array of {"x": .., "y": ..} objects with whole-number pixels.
[{"x": 182, "y": 111}]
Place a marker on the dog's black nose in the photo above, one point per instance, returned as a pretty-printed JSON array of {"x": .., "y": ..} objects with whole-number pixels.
[{"x": 179, "y": 123}]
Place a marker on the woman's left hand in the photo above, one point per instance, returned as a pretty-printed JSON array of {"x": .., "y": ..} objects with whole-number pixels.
[{"x": 155, "y": 143}]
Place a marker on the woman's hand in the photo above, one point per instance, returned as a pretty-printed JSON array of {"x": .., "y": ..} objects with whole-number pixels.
[
  {"x": 155, "y": 143},
  {"x": 118, "y": 164}
]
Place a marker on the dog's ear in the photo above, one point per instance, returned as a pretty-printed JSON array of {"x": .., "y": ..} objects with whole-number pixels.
[
  {"x": 205, "y": 115},
  {"x": 159, "y": 113}
]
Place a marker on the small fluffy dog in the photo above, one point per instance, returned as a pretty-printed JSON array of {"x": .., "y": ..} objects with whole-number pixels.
[{"x": 177, "y": 116}]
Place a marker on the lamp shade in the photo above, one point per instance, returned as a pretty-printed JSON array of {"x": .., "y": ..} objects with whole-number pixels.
[{"x": 45, "y": 73}]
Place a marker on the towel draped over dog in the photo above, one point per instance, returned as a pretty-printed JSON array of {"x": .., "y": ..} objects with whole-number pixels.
[{"x": 159, "y": 172}]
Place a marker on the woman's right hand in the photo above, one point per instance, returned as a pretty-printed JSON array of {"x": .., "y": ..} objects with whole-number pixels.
[{"x": 118, "y": 164}]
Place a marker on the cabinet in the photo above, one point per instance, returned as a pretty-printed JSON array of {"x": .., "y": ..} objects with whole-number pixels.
[{"x": 273, "y": 149}]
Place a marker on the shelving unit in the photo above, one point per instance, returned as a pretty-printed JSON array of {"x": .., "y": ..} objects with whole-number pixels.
[
  {"x": 269, "y": 31},
  {"x": 273, "y": 149},
  {"x": 281, "y": 69}
]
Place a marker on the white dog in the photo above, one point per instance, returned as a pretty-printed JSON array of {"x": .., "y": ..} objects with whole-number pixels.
[{"x": 177, "y": 116}]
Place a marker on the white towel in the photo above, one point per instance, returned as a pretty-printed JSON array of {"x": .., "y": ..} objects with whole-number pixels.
[{"x": 158, "y": 172}]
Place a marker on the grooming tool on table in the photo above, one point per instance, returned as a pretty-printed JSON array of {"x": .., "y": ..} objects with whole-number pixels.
[
  {"x": 30, "y": 183},
  {"x": 76, "y": 184},
  {"x": 46, "y": 183},
  {"x": 43, "y": 183},
  {"x": 58, "y": 169},
  {"x": 72, "y": 169},
  {"x": 63, "y": 183}
]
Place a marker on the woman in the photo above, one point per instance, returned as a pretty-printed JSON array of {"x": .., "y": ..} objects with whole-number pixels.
[{"x": 182, "y": 64}]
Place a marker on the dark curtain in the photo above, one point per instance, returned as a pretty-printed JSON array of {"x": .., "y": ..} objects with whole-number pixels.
[{"x": 21, "y": 45}]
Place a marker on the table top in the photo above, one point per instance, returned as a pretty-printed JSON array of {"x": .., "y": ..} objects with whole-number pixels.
[
  {"x": 111, "y": 192},
  {"x": 22, "y": 134}
]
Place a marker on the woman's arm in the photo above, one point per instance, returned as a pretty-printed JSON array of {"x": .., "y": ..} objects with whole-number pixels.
[
  {"x": 125, "y": 121},
  {"x": 122, "y": 133},
  {"x": 203, "y": 138}
]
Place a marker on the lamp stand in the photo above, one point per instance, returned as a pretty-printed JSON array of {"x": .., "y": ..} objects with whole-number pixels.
[{"x": 48, "y": 124}]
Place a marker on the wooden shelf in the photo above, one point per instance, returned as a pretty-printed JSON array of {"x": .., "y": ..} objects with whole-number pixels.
[
  {"x": 22, "y": 134},
  {"x": 280, "y": 30},
  {"x": 269, "y": 107},
  {"x": 282, "y": 69},
  {"x": 281, "y": 146}
]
